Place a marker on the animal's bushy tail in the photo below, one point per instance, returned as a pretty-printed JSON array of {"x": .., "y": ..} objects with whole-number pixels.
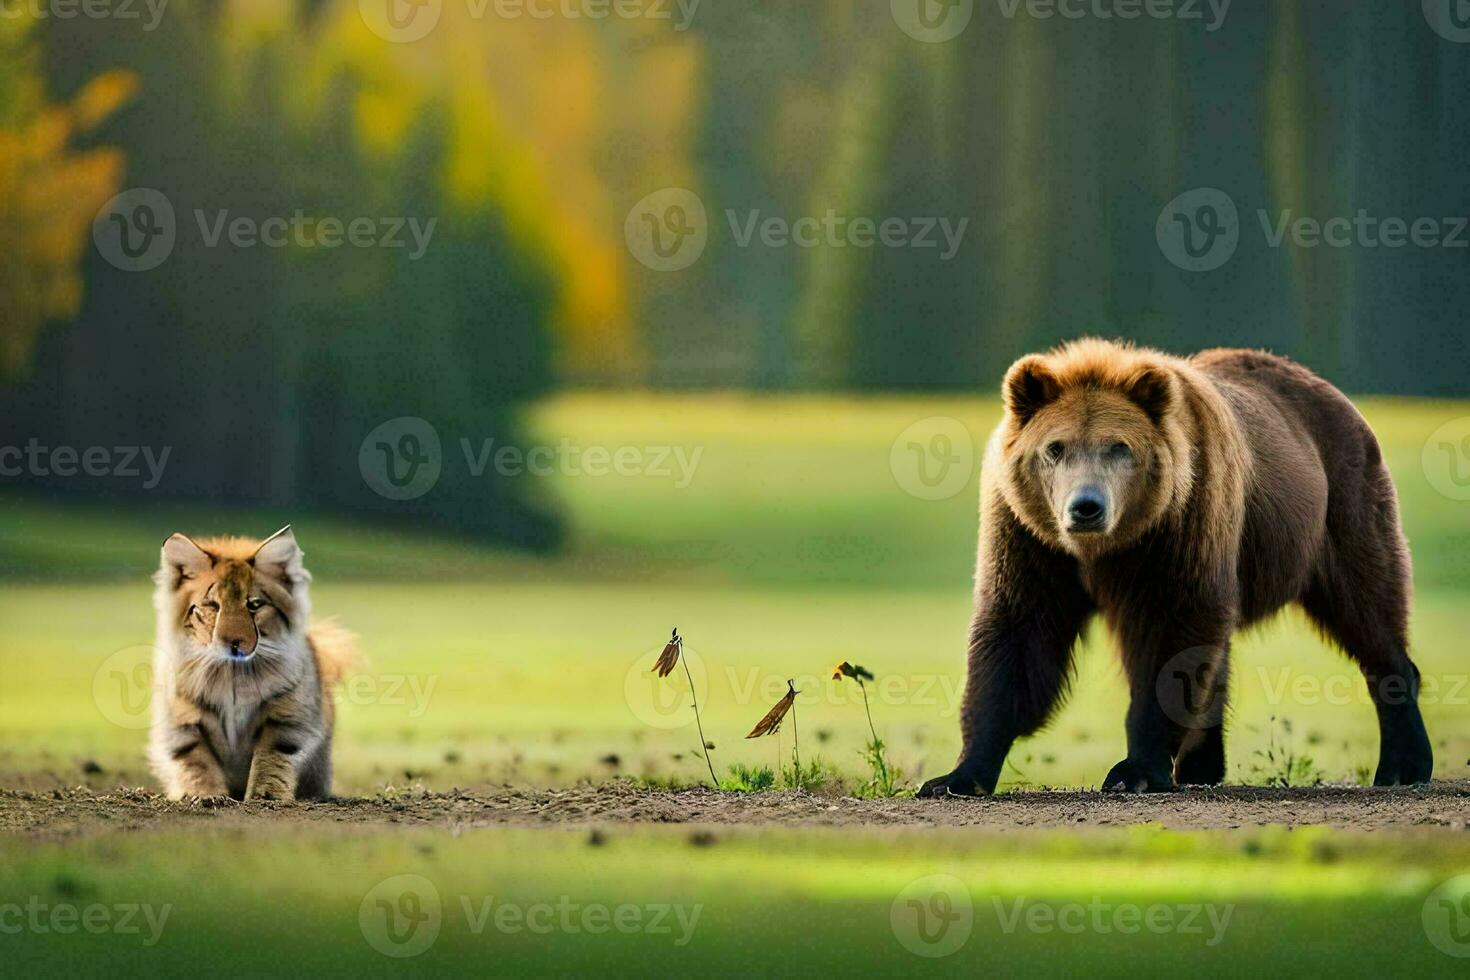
[{"x": 335, "y": 649}]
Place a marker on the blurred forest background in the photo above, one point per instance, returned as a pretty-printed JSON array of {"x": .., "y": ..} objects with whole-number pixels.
[{"x": 530, "y": 139}]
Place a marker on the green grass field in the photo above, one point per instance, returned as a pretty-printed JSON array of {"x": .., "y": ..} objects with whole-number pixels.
[{"x": 794, "y": 546}]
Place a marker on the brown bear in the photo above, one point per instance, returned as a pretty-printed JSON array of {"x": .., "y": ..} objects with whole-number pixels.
[{"x": 1181, "y": 499}]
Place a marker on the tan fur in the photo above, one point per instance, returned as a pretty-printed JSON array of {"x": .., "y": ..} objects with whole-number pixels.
[
  {"x": 243, "y": 697},
  {"x": 337, "y": 657},
  {"x": 1098, "y": 392}
]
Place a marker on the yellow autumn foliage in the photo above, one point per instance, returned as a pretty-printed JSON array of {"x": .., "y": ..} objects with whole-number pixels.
[
  {"x": 49, "y": 196},
  {"x": 555, "y": 126},
  {"x": 551, "y": 123}
]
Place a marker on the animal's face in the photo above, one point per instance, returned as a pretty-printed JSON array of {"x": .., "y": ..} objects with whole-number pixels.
[
  {"x": 234, "y": 600},
  {"x": 1088, "y": 465}
]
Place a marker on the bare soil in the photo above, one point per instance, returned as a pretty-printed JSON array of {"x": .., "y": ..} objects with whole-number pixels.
[{"x": 68, "y": 813}]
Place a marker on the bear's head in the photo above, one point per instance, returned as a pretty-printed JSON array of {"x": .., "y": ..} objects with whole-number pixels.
[{"x": 1093, "y": 444}]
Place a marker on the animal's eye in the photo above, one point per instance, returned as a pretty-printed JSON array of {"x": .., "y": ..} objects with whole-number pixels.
[
  {"x": 1120, "y": 450},
  {"x": 254, "y": 604},
  {"x": 1054, "y": 451}
]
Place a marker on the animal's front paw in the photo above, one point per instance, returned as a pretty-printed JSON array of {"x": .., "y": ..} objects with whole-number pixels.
[
  {"x": 270, "y": 791},
  {"x": 202, "y": 799},
  {"x": 1129, "y": 776},
  {"x": 957, "y": 783}
]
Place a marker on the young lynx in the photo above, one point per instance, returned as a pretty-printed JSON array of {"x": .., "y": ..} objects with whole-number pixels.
[{"x": 242, "y": 702}]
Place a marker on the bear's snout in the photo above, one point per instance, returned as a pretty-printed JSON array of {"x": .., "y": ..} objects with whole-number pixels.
[{"x": 1087, "y": 511}]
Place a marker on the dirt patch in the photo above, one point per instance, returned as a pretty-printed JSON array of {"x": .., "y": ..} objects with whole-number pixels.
[{"x": 66, "y": 813}]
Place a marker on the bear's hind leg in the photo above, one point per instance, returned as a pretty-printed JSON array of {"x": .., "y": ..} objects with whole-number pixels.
[{"x": 1367, "y": 615}]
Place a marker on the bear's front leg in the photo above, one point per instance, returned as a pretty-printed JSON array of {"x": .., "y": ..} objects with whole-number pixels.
[
  {"x": 1017, "y": 673},
  {"x": 1148, "y": 768},
  {"x": 1176, "y": 681},
  {"x": 1030, "y": 610}
]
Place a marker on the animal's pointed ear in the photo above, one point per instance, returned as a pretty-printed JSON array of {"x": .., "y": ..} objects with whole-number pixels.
[
  {"x": 1029, "y": 387},
  {"x": 1152, "y": 389},
  {"x": 280, "y": 555},
  {"x": 181, "y": 558}
]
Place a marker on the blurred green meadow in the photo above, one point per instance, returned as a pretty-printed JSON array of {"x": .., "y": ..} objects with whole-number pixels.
[
  {"x": 796, "y": 544},
  {"x": 1263, "y": 901}
]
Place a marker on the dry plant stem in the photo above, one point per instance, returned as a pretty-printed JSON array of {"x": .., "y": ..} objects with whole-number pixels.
[
  {"x": 796, "y": 743},
  {"x": 882, "y": 764},
  {"x": 703, "y": 745},
  {"x": 864, "y": 688}
]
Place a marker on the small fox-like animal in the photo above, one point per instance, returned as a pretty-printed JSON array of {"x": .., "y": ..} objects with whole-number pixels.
[{"x": 242, "y": 698}]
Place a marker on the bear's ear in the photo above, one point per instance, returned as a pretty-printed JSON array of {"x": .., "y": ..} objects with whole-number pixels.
[
  {"x": 1029, "y": 387},
  {"x": 1152, "y": 389}
]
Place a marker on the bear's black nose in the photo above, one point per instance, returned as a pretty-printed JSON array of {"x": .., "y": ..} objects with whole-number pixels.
[{"x": 1087, "y": 510}]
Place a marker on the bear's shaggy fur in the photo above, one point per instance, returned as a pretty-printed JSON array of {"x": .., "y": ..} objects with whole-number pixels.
[{"x": 1181, "y": 499}]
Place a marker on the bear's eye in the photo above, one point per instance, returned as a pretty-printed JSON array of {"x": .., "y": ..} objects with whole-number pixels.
[
  {"x": 1120, "y": 450},
  {"x": 254, "y": 604},
  {"x": 1054, "y": 451}
]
